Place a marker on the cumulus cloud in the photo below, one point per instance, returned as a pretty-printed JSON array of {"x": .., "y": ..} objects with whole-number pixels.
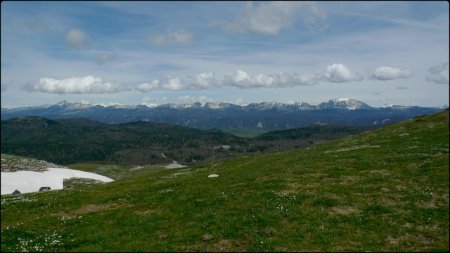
[
  {"x": 172, "y": 37},
  {"x": 4, "y": 87},
  {"x": 168, "y": 83},
  {"x": 242, "y": 79},
  {"x": 388, "y": 73},
  {"x": 203, "y": 81},
  {"x": 269, "y": 18},
  {"x": 106, "y": 57},
  {"x": 338, "y": 73},
  {"x": 77, "y": 39},
  {"x": 171, "y": 84},
  {"x": 75, "y": 85},
  {"x": 438, "y": 74},
  {"x": 146, "y": 87}
]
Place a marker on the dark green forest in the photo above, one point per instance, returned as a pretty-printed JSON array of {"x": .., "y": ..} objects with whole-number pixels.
[{"x": 77, "y": 140}]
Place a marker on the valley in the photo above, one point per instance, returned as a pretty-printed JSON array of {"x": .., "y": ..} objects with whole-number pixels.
[{"x": 140, "y": 143}]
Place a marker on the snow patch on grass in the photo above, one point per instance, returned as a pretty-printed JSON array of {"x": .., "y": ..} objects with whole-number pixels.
[{"x": 31, "y": 181}]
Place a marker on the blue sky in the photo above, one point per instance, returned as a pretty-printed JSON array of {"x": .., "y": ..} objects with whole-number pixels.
[{"x": 240, "y": 52}]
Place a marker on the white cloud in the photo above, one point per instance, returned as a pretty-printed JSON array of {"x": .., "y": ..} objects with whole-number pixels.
[
  {"x": 4, "y": 87},
  {"x": 239, "y": 79},
  {"x": 193, "y": 99},
  {"x": 172, "y": 37},
  {"x": 438, "y": 74},
  {"x": 308, "y": 79},
  {"x": 168, "y": 83},
  {"x": 146, "y": 87},
  {"x": 338, "y": 73},
  {"x": 388, "y": 73},
  {"x": 75, "y": 85},
  {"x": 270, "y": 17},
  {"x": 242, "y": 79},
  {"x": 203, "y": 80},
  {"x": 171, "y": 83},
  {"x": 106, "y": 57},
  {"x": 76, "y": 38}
]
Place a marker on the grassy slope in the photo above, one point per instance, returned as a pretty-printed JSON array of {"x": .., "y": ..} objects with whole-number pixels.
[{"x": 383, "y": 190}]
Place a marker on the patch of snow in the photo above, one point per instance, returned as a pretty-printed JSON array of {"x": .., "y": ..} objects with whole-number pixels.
[
  {"x": 150, "y": 105},
  {"x": 31, "y": 181},
  {"x": 116, "y": 105}
]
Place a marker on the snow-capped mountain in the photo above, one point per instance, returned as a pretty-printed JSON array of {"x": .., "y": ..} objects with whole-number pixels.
[
  {"x": 344, "y": 103},
  {"x": 304, "y": 106},
  {"x": 266, "y": 105},
  {"x": 267, "y": 115}
]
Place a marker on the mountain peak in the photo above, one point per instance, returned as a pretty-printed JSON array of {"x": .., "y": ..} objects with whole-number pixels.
[
  {"x": 344, "y": 103},
  {"x": 63, "y": 103}
]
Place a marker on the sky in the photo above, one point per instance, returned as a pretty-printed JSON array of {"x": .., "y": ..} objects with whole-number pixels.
[{"x": 381, "y": 53}]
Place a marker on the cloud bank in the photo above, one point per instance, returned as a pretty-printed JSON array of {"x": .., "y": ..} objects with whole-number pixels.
[
  {"x": 438, "y": 74},
  {"x": 335, "y": 73},
  {"x": 388, "y": 73},
  {"x": 242, "y": 79},
  {"x": 75, "y": 85},
  {"x": 168, "y": 83}
]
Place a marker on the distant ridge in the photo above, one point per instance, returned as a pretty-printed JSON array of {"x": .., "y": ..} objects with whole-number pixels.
[{"x": 265, "y": 115}]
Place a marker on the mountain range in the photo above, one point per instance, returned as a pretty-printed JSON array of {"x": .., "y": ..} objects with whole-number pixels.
[{"x": 265, "y": 115}]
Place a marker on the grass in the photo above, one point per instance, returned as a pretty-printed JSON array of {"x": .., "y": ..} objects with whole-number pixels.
[
  {"x": 116, "y": 171},
  {"x": 384, "y": 190},
  {"x": 11, "y": 163}
]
